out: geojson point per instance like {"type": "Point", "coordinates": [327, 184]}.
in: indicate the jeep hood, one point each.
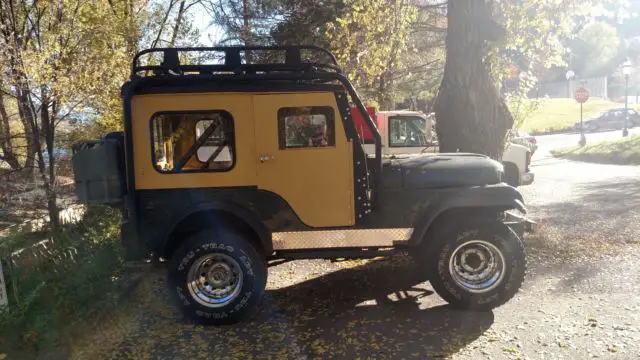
{"type": "Point", "coordinates": [439, 171]}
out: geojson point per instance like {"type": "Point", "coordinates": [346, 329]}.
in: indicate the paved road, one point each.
{"type": "Point", "coordinates": [580, 299]}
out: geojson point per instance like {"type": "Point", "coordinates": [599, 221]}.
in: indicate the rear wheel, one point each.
{"type": "Point", "coordinates": [478, 266]}
{"type": "Point", "coordinates": [217, 276]}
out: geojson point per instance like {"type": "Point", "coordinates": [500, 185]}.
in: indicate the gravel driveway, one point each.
{"type": "Point", "coordinates": [580, 299]}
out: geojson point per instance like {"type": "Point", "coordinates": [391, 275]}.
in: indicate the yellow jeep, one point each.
{"type": "Point", "coordinates": [224, 166]}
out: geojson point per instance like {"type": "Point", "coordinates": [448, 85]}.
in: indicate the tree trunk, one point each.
{"type": "Point", "coordinates": [11, 34]}
{"type": "Point", "coordinates": [162, 24]}
{"type": "Point", "coordinates": [176, 27]}
{"type": "Point", "coordinates": [27, 117]}
{"type": "Point", "coordinates": [48, 175]}
{"type": "Point", "coordinates": [470, 114]}
{"type": "Point", "coordinates": [381, 94]}
{"type": "Point", "coordinates": [132, 34]}
{"type": "Point", "coordinates": [6, 139]}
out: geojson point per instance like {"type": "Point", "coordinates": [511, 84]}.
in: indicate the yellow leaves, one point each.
{"type": "Point", "coordinates": [319, 347]}
{"type": "Point", "coordinates": [370, 36]}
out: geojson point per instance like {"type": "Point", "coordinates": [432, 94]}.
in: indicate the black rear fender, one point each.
{"type": "Point", "coordinates": [473, 201]}
{"type": "Point", "coordinates": [215, 215]}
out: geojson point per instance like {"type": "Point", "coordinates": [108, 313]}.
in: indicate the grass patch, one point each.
{"type": "Point", "coordinates": [561, 114]}
{"type": "Point", "coordinates": [53, 290]}
{"type": "Point", "coordinates": [624, 151]}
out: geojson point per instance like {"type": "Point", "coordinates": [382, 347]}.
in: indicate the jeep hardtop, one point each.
{"type": "Point", "coordinates": [227, 166]}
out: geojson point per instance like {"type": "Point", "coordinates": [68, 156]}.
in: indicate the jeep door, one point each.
{"type": "Point", "coordinates": [303, 156]}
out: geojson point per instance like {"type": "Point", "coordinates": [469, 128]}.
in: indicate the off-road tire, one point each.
{"type": "Point", "coordinates": [453, 235]}
{"type": "Point", "coordinates": [236, 246]}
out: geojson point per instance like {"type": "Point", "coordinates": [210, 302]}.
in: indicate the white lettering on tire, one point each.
{"type": "Point", "coordinates": [185, 260]}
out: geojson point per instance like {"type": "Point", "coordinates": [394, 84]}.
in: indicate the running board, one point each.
{"type": "Point", "coordinates": [333, 254]}
{"type": "Point", "coordinates": [342, 238]}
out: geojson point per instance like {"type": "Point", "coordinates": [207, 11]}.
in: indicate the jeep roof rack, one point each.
{"type": "Point", "coordinates": [233, 60]}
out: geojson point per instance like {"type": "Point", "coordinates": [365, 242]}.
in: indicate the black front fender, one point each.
{"type": "Point", "coordinates": [501, 197]}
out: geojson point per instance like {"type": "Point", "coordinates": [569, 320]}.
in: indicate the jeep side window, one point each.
{"type": "Point", "coordinates": [304, 127]}
{"type": "Point", "coordinates": [193, 141]}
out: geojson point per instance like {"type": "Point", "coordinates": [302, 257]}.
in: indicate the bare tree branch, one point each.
{"type": "Point", "coordinates": [154, 44]}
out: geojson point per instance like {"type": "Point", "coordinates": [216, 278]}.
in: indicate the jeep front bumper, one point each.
{"type": "Point", "coordinates": [520, 223]}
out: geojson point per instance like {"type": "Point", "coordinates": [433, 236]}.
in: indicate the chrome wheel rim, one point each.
{"type": "Point", "coordinates": [477, 266]}
{"type": "Point", "coordinates": [214, 280]}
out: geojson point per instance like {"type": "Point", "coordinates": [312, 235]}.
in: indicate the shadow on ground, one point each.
{"type": "Point", "coordinates": [604, 205]}
{"type": "Point", "coordinates": [382, 309]}
{"type": "Point", "coordinates": [598, 223]}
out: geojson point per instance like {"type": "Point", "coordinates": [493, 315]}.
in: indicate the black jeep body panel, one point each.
{"type": "Point", "coordinates": [161, 211]}
{"type": "Point", "coordinates": [439, 171]}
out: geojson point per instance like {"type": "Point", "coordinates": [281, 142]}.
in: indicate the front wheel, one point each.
{"type": "Point", "coordinates": [217, 277]}
{"type": "Point", "coordinates": [479, 266]}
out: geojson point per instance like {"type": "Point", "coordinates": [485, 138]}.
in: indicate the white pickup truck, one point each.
{"type": "Point", "coordinates": [410, 132]}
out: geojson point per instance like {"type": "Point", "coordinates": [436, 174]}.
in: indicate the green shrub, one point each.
{"type": "Point", "coordinates": [54, 286]}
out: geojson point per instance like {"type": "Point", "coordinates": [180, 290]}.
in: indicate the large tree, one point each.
{"type": "Point", "coordinates": [487, 42]}
{"type": "Point", "coordinates": [471, 116]}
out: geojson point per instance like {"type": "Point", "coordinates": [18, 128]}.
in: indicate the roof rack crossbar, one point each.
{"type": "Point", "coordinates": [208, 69]}
{"type": "Point", "coordinates": [232, 60]}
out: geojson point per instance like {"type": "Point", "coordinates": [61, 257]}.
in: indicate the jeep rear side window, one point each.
{"type": "Point", "coordinates": [193, 141]}
{"type": "Point", "coordinates": [306, 127]}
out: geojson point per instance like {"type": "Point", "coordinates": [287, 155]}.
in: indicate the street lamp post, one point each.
{"type": "Point", "coordinates": [626, 70]}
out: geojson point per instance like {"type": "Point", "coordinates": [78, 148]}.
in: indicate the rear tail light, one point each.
{"type": "Point", "coordinates": [528, 161]}
{"type": "Point", "coordinates": [533, 141]}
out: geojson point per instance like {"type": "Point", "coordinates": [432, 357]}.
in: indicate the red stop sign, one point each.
{"type": "Point", "coordinates": [582, 95]}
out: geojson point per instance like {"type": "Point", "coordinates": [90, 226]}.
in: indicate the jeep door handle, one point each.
{"type": "Point", "coordinates": [264, 158]}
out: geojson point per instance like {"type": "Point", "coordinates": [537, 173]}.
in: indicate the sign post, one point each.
{"type": "Point", "coordinates": [3, 289]}
{"type": "Point", "coordinates": [582, 95]}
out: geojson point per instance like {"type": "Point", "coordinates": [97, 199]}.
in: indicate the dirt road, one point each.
{"type": "Point", "coordinates": [580, 299]}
